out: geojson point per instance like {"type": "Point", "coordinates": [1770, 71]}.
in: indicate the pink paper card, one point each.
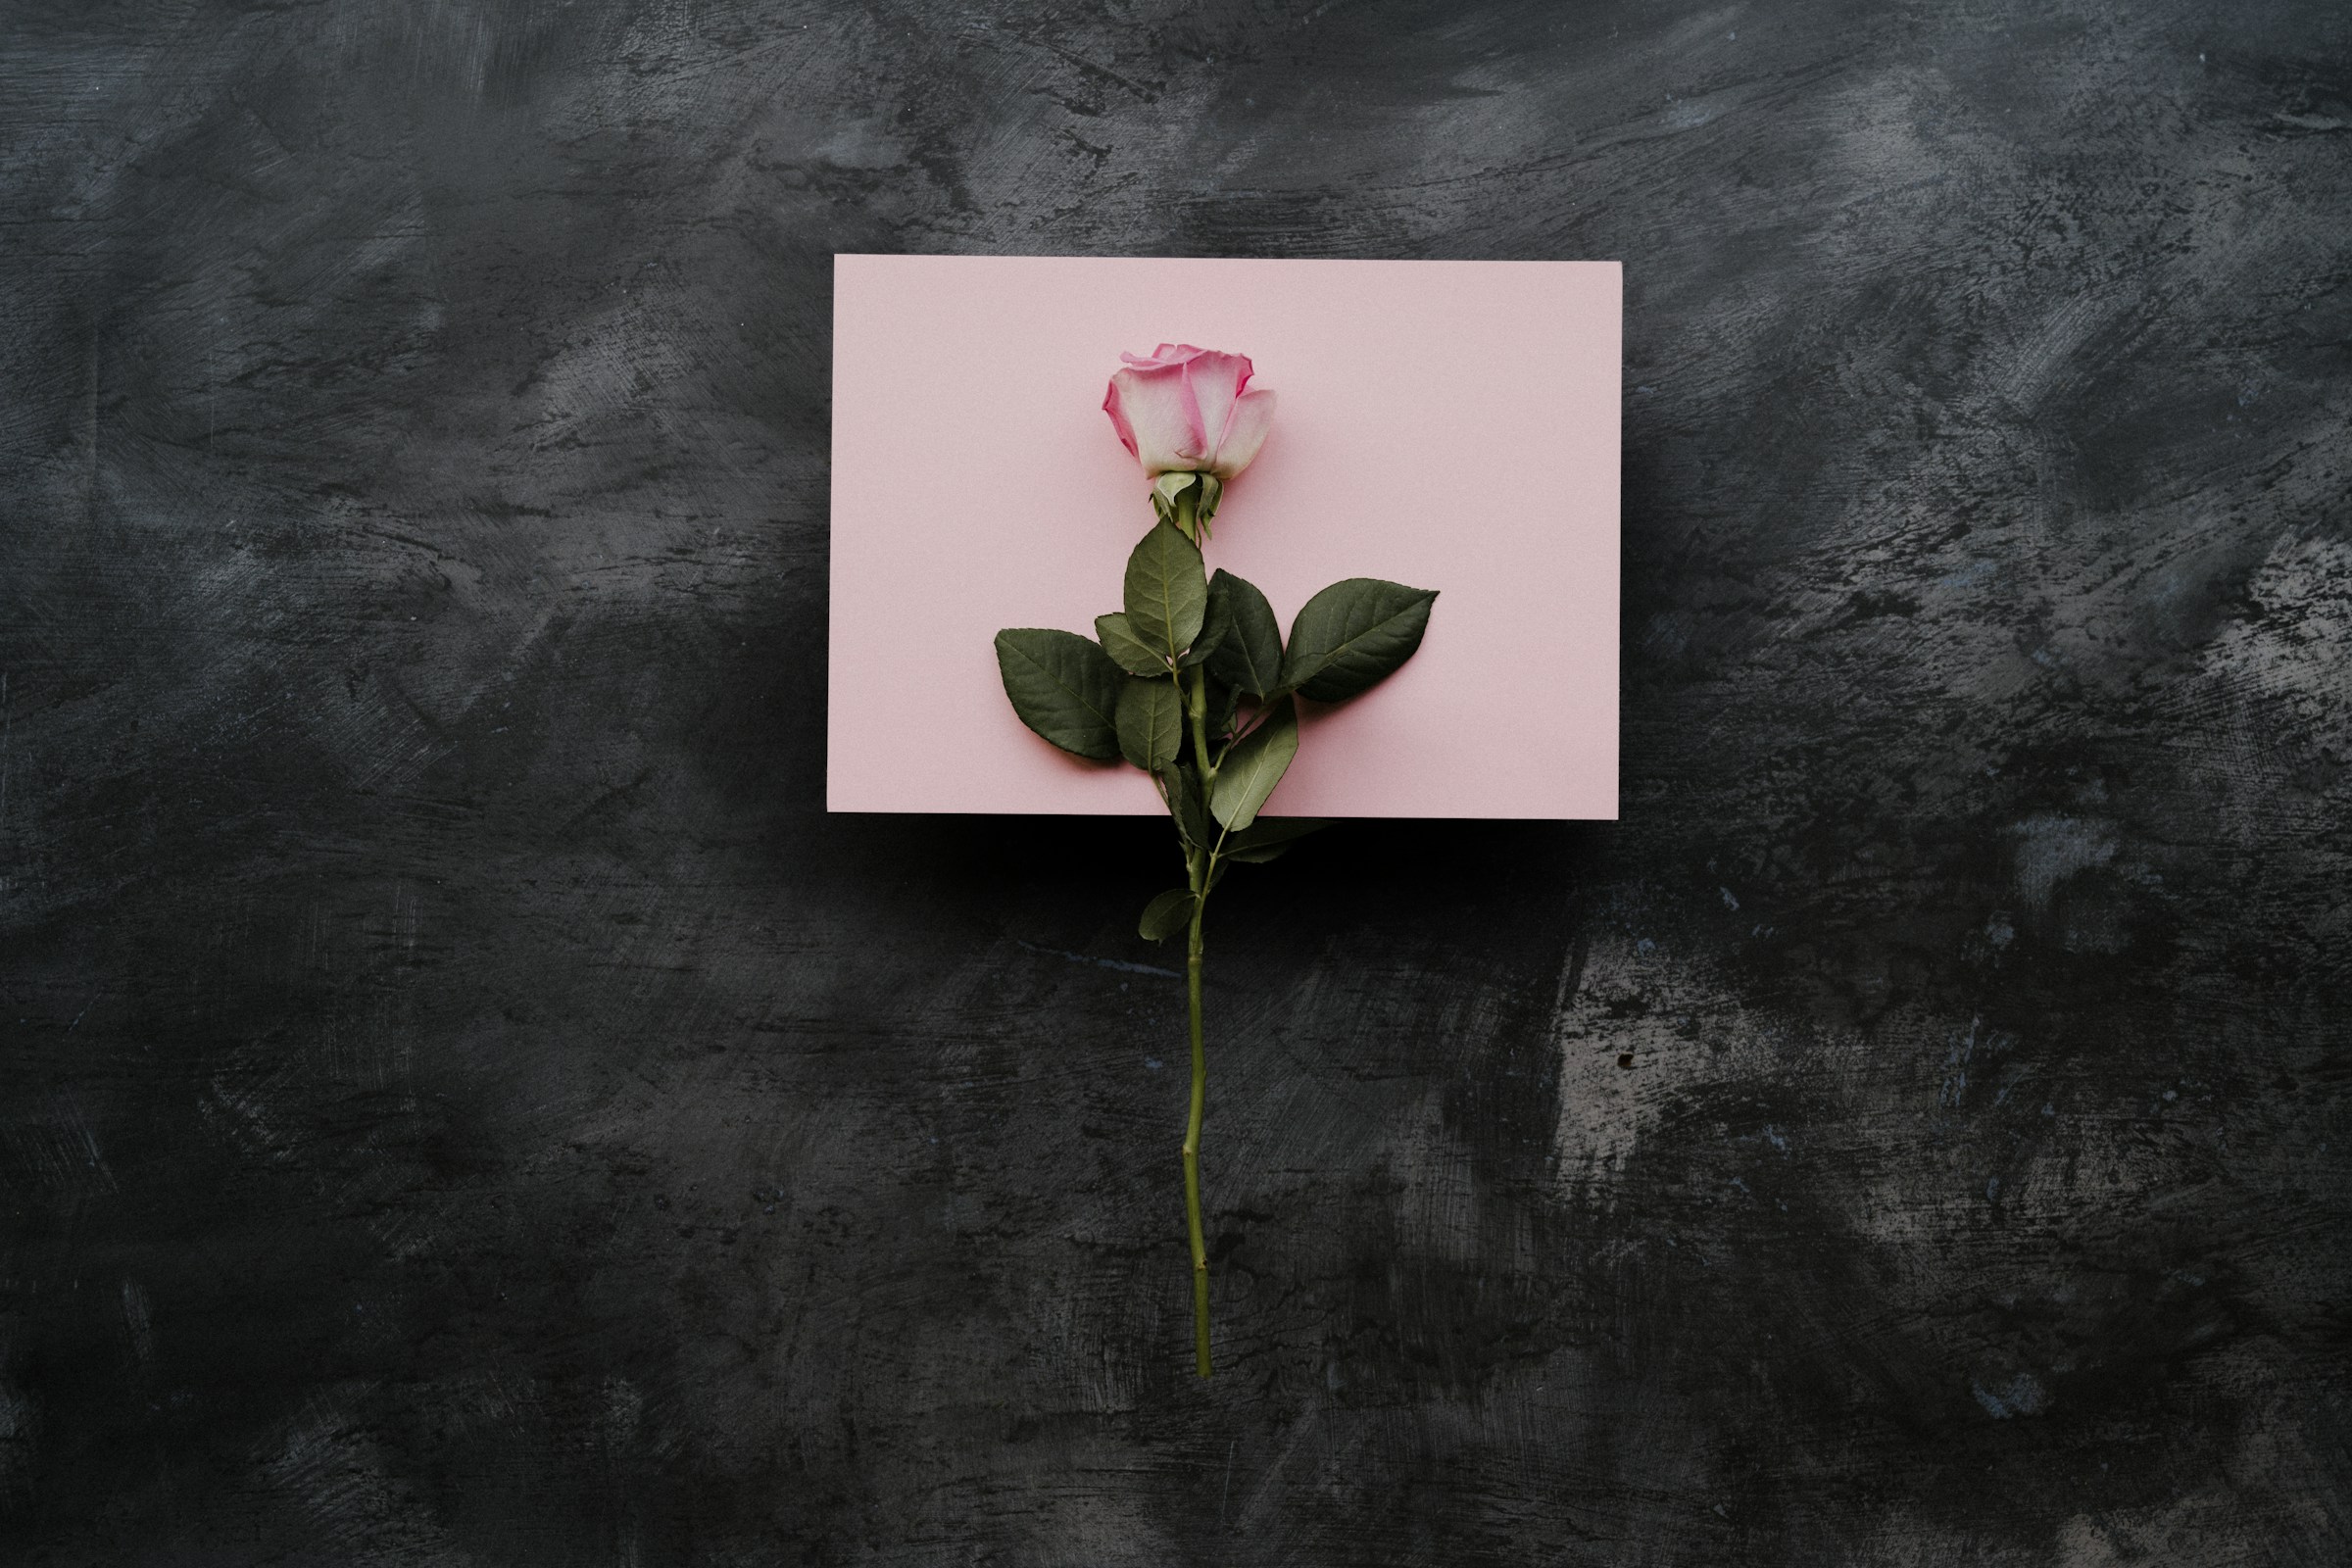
{"type": "Point", "coordinates": [1446, 424]}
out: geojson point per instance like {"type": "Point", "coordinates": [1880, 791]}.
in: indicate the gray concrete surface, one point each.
{"type": "Point", "coordinates": [467, 1104]}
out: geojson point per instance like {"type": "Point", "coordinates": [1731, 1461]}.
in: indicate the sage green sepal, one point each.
{"type": "Point", "coordinates": [1124, 650]}
{"type": "Point", "coordinates": [1166, 592]}
{"type": "Point", "coordinates": [1151, 721]}
{"type": "Point", "coordinates": [1269, 837]}
{"type": "Point", "coordinates": [1353, 635]}
{"type": "Point", "coordinates": [1167, 915]}
{"type": "Point", "coordinates": [1249, 657]}
{"type": "Point", "coordinates": [1063, 687]}
{"type": "Point", "coordinates": [1164, 491]}
{"type": "Point", "coordinates": [1252, 768]}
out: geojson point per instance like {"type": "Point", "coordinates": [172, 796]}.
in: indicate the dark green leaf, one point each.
{"type": "Point", "coordinates": [1249, 658]}
{"type": "Point", "coordinates": [1353, 634]}
{"type": "Point", "coordinates": [1063, 687]}
{"type": "Point", "coordinates": [1224, 703]}
{"type": "Point", "coordinates": [1277, 830]}
{"type": "Point", "coordinates": [1151, 721]}
{"type": "Point", "coordinates": [1182, 786]}
{"type": "Point", "coordinates": [1166, 915]}
{"type": "Point", "coordinates": [1166, 593]}
{"type": "Point", "coordinates": [1268, 837]}
{"type": "Point", "coordinates": [1215, 621]}
{"type": "Point", "coordinates": [1123, 648]}
{"type": "Point", "coordinates": [1252, 768]}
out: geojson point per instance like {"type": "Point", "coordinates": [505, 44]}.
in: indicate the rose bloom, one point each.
{"type": "Point", "coordinates": [1187, 409]}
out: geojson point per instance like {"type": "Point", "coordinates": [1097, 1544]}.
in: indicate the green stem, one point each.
{"type": "Point", "coordinates": [1201, 863]}
{"type": "Point", "coordinates": [1192, 1140]}
{"type": "Point", "coordinates": [1196, 704]}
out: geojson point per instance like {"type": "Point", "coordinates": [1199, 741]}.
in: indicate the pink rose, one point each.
{"type": "Point", "coordinates": [1189, 409]}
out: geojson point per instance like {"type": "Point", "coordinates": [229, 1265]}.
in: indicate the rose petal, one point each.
{"type": "Point", "coordinates": [1167, 354]}
{"type": "Point", "coordinates": [1162, 415]}
{"type": "Point", "coordinates": [1217, 380]}
{"type": "Point", "coordinates": [1244, 432]}
{"type": "Point", "coordinates": [1118, 420]}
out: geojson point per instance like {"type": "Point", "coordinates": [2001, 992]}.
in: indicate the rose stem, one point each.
{"type": "Point", "coordinates": [1201, 863]}
{"type": "Point", "coordinates": [1192, 1148]}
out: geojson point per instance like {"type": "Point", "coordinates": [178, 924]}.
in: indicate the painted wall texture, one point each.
{"type": "Point", "coordinates": [464, 1103]}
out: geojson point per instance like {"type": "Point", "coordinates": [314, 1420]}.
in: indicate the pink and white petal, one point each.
{"type": "Point", "coordinates": [1159, 410]}
{"type": "Point", "coordinates": [1244, 432]}
{"type": "Point", "coordinates": [1167, 354]}
{"type": "Point", "coordinates": [1118, 420]}
{"type": "Point", "coordinates": [1217, 381]}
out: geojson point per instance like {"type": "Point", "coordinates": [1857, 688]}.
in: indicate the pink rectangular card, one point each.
{"type": "Point", "coordinates": [1446, 424]}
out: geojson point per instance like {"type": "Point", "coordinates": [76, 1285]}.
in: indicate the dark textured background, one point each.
{"type": "Point", "coordinates": [467, 1104]}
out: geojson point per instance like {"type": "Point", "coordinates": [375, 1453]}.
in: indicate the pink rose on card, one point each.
{"type": "Point", "coordinates": [1189, 411]}
{"type": "Point", "coordinates": [1190, 678]}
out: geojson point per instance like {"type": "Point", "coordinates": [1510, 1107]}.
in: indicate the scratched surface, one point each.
{"type": "Point", "coordinates": [465, 1103]}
